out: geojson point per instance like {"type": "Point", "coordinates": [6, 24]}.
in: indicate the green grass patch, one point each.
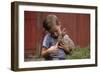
{"type": "Point", "coordinates": [79, 53]}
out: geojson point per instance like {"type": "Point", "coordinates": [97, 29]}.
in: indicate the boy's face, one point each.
{"type": "Point", "coordinates": [55, 31]}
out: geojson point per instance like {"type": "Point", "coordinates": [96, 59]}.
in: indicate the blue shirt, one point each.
{"type": "Point", "coordinates": [50, 41]}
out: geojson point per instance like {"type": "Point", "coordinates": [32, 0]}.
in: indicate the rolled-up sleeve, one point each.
{"type": "Point", "coordinates": [46, 41]}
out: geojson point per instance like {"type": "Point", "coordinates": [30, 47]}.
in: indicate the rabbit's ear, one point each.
{"type": "Point", "coordinates": [57, 43]}
{"type": "Point", "coordinates": [63, 29]}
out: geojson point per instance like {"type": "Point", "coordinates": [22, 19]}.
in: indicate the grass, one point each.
{"type": "Point", "coordinates": [79, 53]}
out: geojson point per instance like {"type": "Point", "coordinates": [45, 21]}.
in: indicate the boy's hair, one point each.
{"type": "Point", "coordinates": [50, 21]}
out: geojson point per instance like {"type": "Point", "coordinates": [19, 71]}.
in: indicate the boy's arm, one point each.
{"type": "Point", "coordinates": [47, 51]}
{"type": "Point", "coordinates": [44, 52]}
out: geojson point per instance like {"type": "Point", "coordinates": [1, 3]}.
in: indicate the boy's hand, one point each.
{"type": "Point", "coordinates": [62, 45]}
{"type": "Point", "coordinates": [53, 49]}
{"type": "Point", "coordinates": [65, 47]}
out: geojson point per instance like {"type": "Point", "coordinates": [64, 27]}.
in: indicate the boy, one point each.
{"type": "Point", "coordinates": [56, 44]}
